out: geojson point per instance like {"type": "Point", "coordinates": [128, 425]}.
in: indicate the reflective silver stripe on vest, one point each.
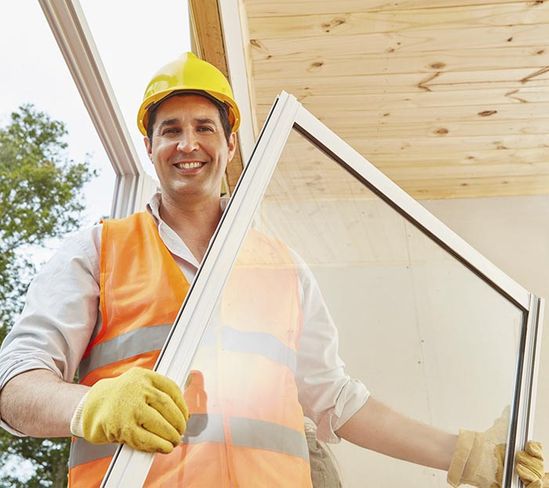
{"type": "Point", "coordinates": [148, 339]}
{"type": "Point", "coordinates": [204, 428]}
{"type": "Point", "coordinates": [259, 434]}
{"type": "Point", "coordinates": [259, 343]}
{"type": "Point", "coordinates": [138, 341]}
{"type": "Point", "coordinates": [245, 432]}
{"type": "Point", "coordinates": [83, 452]}
{"type": "Point", "coordinates": [255, 434]}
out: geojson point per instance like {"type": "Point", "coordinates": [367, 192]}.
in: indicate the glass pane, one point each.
{"type": "Point", "coordinates": [327, 258]}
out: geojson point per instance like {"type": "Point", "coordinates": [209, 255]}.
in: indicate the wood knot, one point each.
{"type": "Point", "coordinates": [442, 131]}
{"type": "Point", "coordinates": [438, 65]}
{"type": "Point", "coordinates": [328, 26]}
{"type": "Point", "coordinates": [487, 113]}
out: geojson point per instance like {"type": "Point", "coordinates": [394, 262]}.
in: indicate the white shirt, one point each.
{"type": "Point", "coordinates": [62, 311]}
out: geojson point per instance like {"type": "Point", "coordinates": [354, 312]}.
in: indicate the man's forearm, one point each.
{"type": "Point", "coordinates": [39, 404]}
{"type": "Point", "coordinates": [379, 428]}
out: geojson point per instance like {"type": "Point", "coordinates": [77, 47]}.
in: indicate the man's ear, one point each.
{"type": "Point", "coordinates": [232, 145]}
{"type": "Point", "coordinates": [148, 146]}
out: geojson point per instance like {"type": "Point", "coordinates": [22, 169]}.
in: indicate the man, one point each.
{"type": "Point", "coordinates": [105, 302]}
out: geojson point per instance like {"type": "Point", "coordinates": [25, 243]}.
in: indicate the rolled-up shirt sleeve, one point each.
{"type": "Point", "coordinates": [328, 395]}
{"type": "Point", "coordinates": [60, 313]}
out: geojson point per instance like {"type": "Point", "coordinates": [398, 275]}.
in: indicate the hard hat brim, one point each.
{"type": "Point", "coordinates": [158, 98]}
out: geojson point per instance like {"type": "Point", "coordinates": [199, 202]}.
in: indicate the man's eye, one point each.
{"type": "Point", "coordinates": [170, 130]}
{"type": "Point", "coordinates": [205, 128]}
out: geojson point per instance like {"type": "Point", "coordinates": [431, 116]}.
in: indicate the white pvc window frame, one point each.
{"type": "Point", "coordinates": [133, 186]}
{"type": "Point", "coordinates": [129, 468]}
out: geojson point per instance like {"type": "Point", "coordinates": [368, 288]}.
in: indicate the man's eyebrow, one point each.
{"type": "Point", "coordinates": [166, 122]}
{"type": "Point", "coordinates": [205, 120]}
{"type": "Point", "coordinates": [175, 121]}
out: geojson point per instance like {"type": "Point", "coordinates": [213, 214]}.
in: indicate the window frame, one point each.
{"type": "Point", "coordinates": [133, 186]}
{"type": "Point", "coordinates": [129, 467]}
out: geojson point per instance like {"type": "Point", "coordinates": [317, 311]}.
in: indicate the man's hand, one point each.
{"type": "Point", "coordinates": [478, 457]}
{"type": "Point", "coordinates": [140, 408]}
{"type": "Point", "coordinates": [529, 464]}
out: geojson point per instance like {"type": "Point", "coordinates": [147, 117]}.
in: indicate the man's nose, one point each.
{"type": "Point", "coordinates": [187, 141]}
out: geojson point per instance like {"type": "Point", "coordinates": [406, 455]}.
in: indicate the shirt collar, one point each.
{"type": "Point", "coordinates": [173, 242]}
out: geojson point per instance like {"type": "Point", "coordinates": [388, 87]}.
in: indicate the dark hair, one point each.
{"type": "Point", "coordinates": [221, 107]}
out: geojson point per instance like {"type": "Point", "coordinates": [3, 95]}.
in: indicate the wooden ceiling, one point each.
{"type": "Point", "coordinates": [449, 98]}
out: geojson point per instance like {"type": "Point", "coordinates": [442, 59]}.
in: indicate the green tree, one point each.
{"type": "Point", "coordinates": [40, 199]}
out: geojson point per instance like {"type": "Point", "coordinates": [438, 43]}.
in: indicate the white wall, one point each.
{"type": "Point", "coordinates": [513, 233]}
{"type": "Point", "coordinates": [425, 335]}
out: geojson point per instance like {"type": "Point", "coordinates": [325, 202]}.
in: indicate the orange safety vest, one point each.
{"type": "Point", "coordinates": [246, 425]}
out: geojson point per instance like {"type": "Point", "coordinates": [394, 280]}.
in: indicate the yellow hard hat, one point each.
{"type": "Point", "coordinates": [188, 73]}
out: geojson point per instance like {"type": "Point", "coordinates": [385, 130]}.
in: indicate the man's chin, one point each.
{"type": "Point", "coordinates": [181, 193]}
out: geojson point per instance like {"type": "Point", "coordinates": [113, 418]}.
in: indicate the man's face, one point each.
{"type": "Point", "coordinates": [188, 148]}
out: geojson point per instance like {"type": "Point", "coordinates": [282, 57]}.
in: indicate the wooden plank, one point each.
{"type": "Point", "coordinates": [208, 32]}
{"type": "Point", "coordinates": [402, 83]}
{"type": "Point", "coordinates": [301, 156]}
{"type": "Point", "coordinates": [340, 186]}
{"type": "Point", "coordinates": [307, 66]}
{"type": "Point", "coordinates": [494, 129]}
{"type": "Point", "coordinates": [478, 187]}
{"type": "Point", "coordinates": [208, 39]}
{"type": "Point", "coordinates": [420, 145]}
{"type": "Point", "coordinates": [344, 22]}
{"type": "Point", "coordinates": [428, 189]}
{"type": "Point", "coordinates": [465, 128]}
{"type": "Point", "coordinates": [386, 102]}
{"type": "Point", "coordinates": [416, 40]}
{"type": "Point", "coordinates": [422, 149]}
{"type": "Point", "coordinates": [441, 128]}
{"type": "Point", "coordinates": [496, 93]}
{"type": "Point", "coordinates": [435, 165]}
{"type": "Point", "coordinates": [355, 128]}
{"type": "Point", "coordinates": [489, 166]}
{"type": "Point", "coordinates": [331, 114]}
{"type": "Point", "coordinates": [262, 8]}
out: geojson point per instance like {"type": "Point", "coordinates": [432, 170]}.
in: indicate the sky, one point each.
{"type": "Point", "coordinates": [134, 39]}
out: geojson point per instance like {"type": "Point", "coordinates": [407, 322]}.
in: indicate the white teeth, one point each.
{"type": "Point", "coordinates": [188, 165]}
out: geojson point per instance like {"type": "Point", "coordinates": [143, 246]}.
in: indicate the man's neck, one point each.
{"type": "Point", "coordinates": [194, 222]}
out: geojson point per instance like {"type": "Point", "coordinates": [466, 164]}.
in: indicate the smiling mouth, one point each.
{"type": "Point", "coordinates": [189, 165]}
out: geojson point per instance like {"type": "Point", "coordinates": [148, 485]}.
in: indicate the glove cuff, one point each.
{"type": "Point", "coordinates": [460, 457]}
{"type": "Point", "coordinates": [77, 428]}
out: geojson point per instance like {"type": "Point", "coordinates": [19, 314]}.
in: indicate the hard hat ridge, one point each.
{"type": "Point", "coordinates": [187, 73]}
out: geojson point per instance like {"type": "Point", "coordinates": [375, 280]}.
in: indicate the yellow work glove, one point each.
{"type": "Point", "coordinates": [478, 457]}
{"type": "Point", "coordinates": [140, 408]}
{"type": "Point", "coordinates": [529, 464]}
